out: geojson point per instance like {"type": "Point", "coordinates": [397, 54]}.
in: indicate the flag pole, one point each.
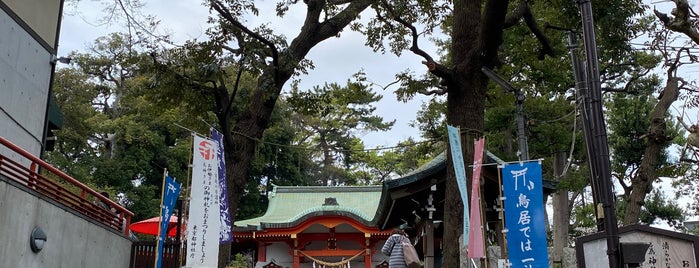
{"type": "Point", "coordinates": [187, 188]}
{"type": "Point", "coordinates": [503, 249]}
{"type": "Point", "coordinates": [160, 221]}
{"type": "Point", "coordinates": [484, 224]}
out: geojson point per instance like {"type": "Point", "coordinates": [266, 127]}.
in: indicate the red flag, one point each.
{"type": "Point", "coordinates": [475, 235]}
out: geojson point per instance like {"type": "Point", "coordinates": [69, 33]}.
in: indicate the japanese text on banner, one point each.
{"type": "Point", "coordinates": [460, 173]}
{"type": "Point", "coordinates": [225, 234]}
{"type": "Point", "coordinates": [204, 222]}
{"type": "Point", "coordinates": [524, 215]}
{"type": "Point", "coordinates": [170, 195]}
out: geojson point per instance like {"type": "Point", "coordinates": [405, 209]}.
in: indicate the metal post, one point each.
{"type": "Point", "coordinates": [178, 234]}
{"type": "Point", "coordinates": [523, 146]}
{"type": "Point", "coordinates": [599, 136]}
{"type": "Point", "coordinates": [583, 100]}
{"type": "Point", "coordinates": [519, 99]}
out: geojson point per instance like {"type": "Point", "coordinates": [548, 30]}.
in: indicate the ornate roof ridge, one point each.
{"type": "Point", "coordinates": [326, 189]}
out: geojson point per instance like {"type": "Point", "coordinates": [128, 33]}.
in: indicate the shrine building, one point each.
{"type": "Point", "coordinates": [346, 226]}
{"type": "Point", "coordinates": [317, 226]}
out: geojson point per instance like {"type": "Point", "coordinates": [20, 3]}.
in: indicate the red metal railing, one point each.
{"type": "Point", "coordinates": [63, 189]}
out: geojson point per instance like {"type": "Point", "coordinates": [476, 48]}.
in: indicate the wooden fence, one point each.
{"type": "Point", "coordinates": [143, 254]}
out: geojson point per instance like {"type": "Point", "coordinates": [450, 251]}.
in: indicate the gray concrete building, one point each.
{"type": "Point", "coordinates": [48, 219]}
{"type": "Point", "coordinates": [28, 44]}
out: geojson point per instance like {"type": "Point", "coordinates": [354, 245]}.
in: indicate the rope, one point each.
{"type": "Point", "coordinates": [333, 264]}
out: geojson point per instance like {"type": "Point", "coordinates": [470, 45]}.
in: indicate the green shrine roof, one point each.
{"type": "Point", "coordinates": [291, 205]}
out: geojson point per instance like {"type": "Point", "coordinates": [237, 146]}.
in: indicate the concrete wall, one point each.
{"type": "Point", "coordinates": [25, 74]}
{"type": "Point", "coordinates": [40, 15]}
{"type": "Point", "coordinates": [72, 240]}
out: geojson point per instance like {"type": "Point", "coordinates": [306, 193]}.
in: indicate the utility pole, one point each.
{"type": "Point", "coordinates": [523, 146]}
{"type": "Point", "coordinates": [581, 99]}
{"type": "Point", "coordinates": [598, 136]}
{"type": "Point", "coordinates": [519, 100]}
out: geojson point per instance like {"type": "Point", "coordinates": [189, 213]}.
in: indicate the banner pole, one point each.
{"type": "Point", "coordinates": [503, 249]}
{"type": "Point", "coordinates": [187, 188]}
{"type": "Point", "coordinates": [484, 224]}
{"type": "Point", "coordinates": [158, 242]}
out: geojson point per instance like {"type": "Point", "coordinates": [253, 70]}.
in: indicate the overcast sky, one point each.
{"type": "Point", "coordinates": [335, 59]}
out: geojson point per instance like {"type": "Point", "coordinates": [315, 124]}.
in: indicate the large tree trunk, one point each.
{"type": "Point", "coordinates": [474, 45]}
{"type": "Point", "coordinates": [239, 139]}
{"type": "Point", "coordinates": [657, 138]}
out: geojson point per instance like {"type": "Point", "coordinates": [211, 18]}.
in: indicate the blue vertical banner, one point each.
{"type": "Point", "coordinates": [460, 172]}
{"type": "Point", "coordinates": [171, 192]}
{"type": "Point", "coordinates": [225, 235]}
{"type": "Point", "coordinates": [524, 215]}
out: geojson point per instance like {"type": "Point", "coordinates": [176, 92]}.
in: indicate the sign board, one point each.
{"type": "Point", "coordinates": [204, 220]}
{"type": "Point", "coordinates": [667, 248]}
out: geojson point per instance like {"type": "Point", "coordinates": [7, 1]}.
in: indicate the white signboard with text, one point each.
{"type": "Point", "coordinates": [664, 251]}
{"type": "Point", "coordinates": [204, 224]}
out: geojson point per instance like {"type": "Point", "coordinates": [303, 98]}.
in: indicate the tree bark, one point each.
{"type": "Point", "coordinates": [475, 40]}
{"type": "Point", "coordinates": [657, 138]}
{"type": "Point", "coordinates": [240, 138]}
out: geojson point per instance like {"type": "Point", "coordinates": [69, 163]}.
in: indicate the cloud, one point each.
{"type": "Point", "coordinates": [336, 59]}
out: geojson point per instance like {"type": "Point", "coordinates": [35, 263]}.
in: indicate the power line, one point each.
{"type": "Point", "coordinates": [300, 147]}
{"type": "Point", "coordinates": [650, 46]}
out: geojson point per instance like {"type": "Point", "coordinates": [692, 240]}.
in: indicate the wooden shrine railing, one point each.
{"type": "Point", "coordinates": [143, 254]}
{"type": "Point", "coordinates": [62, 188]}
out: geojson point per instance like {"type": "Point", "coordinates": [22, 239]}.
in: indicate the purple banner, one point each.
{"type": "Point", "coordinates": [524, 215]}
{"type": "Point", "coordinates": [225, 234]}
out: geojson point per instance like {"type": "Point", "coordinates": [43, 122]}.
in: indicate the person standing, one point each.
{"type": "Point", "coordinates": [394, 250]}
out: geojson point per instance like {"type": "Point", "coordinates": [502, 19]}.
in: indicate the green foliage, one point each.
{"type": "Point", "coordinates": [330, 120]}
{"type": "Point", "coordinates": [241, 261]}
{"type": "Point", "coordinates": [128, 136]}
{"type": "Point", "coordinates": [112, 137]}
{"type": "Point", "coordinates": [428, 14]}
{"type": "Point", "coordinates": [431, 121]}
{"type": "Point", "coordinates": [583, 220]}
{"type": "Point", "coordinates": [660, 207]}
{"type": "Point", "coordinates": [629, 119]}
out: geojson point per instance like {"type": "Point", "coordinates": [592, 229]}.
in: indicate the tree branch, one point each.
{"type": "Point", "coordinates": [338, 2]}
{"type": "Point", "coordinates": [524, 11]}
{"type": "Point", "coordinates": [191, 82]}
{"type": "Point", "coordinates": [435, 68]}
{"type": "Point", "coordinates": [681, 22]}
{"type": "Point", "coordinates": [238, 74]}
{"type": "Point", "coordinates": [313, 32]}
{"type": "Point", "coordinates": [546, 48]}
{"type": "Point", "coordinates": [218, 6]}
{"type": "Point", "coordinates": [513, 18]}
{"type": "Point", "coordinates": [232, 50]}
{"type": "Point", "coordinates": [491, 32]}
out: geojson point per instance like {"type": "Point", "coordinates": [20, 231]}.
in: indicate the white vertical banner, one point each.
{"type": "Point", "coordinates": [203, 220]}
